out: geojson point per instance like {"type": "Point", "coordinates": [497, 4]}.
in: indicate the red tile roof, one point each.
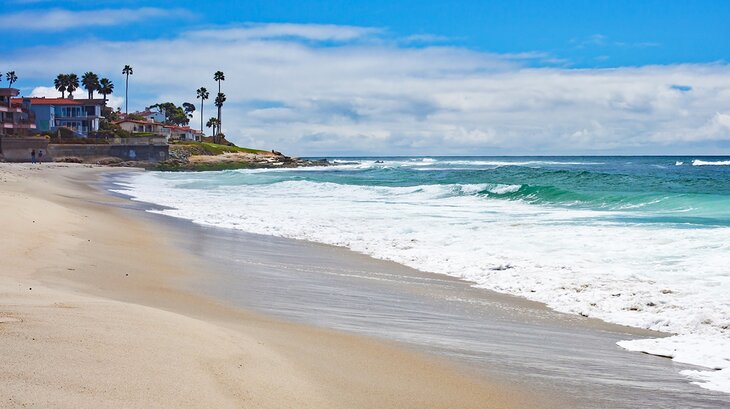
{"type": "Point", "coordinates": [137, 121]}
{"type": "Point", "coordinates": [48, 101]}
{"type": "Point", "coordinates": [58, 101]}
{"type": "Point", "coordinates": [179, 128]}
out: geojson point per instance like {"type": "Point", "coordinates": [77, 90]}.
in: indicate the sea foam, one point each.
{"type": "Point", "coordinates": [698, 162]}
{"type": "Point", "coordinates": [576, 261]}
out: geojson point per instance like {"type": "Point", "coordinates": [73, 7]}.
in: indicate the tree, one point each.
{"type": "Point", "coordinates": [90, 82]}
{"type": "Point", "coordinates": [212, 123]}
{"type": "Point", "coordinates": [106, 87]}
{"type": "Point", "coordinates": [219, 76]}
{"type": "Point", "coordinates": [11, 77]}
{"type": "Point", "coordinates": [174, 115]}
{"type": "Point", "coordinates": [127, 70]}
{"type": "Point", "coordinates": [72, 84]}
{"type": "Point", "coordinates": [188, 108]}
{"type": "Point", "coordinates": [219, 100]}
{"type": "Point", "coordinates": [203, 94]}
{"type": "Point", "coordinates": [60, 84]}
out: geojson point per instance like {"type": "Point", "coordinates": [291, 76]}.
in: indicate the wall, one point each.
{"type": "Point", "coordinates": [140, 140]}
{"type": "Point", "coordinates": [152, 153]}
{"type": "Point", "coordinates": [18, 149]}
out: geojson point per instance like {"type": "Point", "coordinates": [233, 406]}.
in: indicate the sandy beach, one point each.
{"type": "Point", "coordinates": [92, 315]}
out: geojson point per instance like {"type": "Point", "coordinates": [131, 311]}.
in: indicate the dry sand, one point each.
{"type": "Point", "coordinates": [91, 317]}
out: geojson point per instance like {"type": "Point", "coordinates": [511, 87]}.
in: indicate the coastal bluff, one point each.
{"type": "Point", "coordinates": [208, 156]}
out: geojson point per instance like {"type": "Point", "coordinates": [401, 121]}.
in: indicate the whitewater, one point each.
{"type": "Point", "coordinates": [641, 241]}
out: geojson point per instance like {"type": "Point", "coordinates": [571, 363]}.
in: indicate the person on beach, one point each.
{"type": "Point", "coordinates": [40, 156]}
{"type": "Point", "coordinates": [32, 156]}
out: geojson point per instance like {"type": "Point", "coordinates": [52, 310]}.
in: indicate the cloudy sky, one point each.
{"type": "Point", "coordinates": [372, 77]}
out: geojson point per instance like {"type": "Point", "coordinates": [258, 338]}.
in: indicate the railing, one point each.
{"type": "Point", "coordinates": [21, 122]}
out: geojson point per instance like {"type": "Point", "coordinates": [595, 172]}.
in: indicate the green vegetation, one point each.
{"type": "Point", "coordinates": [127, 70]}
{"type": "Point", "coordinates": [208, 148]}
{"type": "Point", "coordinates": [203, 94]}
{"type": "Point", "coordinates": [220, 98]}
{"type": "Point", "coordinates": [212, 122]}
{"type": "Point", "coordinates": [11, 77]}
{"type": "Point", "coordinates": [106, 87]}
{"type": "Point", "coordinates": [66, 83]}
{"type": "Point", "coordinates": [175, 115]}
{"type": "Point", "coordinates": [90, 81]}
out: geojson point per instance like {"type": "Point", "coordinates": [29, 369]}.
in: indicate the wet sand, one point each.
{"type": "Point", "coordinates": [103, 305]}
{"type": "Point", "coordinates": [522, 342]}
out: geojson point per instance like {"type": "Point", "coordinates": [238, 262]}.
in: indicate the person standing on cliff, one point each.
{"type": "Point", "coordinates": [32, 156]}
{"type": "Point", "coordinates": [40, 156]}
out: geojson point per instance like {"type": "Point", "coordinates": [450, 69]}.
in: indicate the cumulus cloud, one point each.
{"type": "Point", "coordinates": [113, 101]}
{"type": "Point", "coordinates": [323, 90]}
{"type": "Point", "coordinates": [61, 19]}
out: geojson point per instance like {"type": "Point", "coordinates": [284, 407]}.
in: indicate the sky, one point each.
{"type": "Point", "coordinates": [352, 78]}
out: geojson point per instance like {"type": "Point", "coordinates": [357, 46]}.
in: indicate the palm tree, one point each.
{"type": "Point", "coordinates": [212, 122]}
{"type": "Point", "coordinates": [219, 100]}
{"type": "Point", "coordinates": [72, 84]}
{"type": "Point", "coordinates": [203, 94]}
{"type": "Point", "coordinates": [60, 84]}
{"type": "Point", "coordinates": [11, 77]}
{"type": "Point", "coordinates": [127, 70]}
{"type": "Point", "coordinates": [219, 76]}
{"type": "Point", "coordinates": [90, 82]}
{"type": "Point", "coordinates": [106, 87]}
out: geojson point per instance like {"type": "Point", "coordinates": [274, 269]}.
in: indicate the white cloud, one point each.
{"type": "Point", "coordinates": [61, 19]}
{"type": "Point", "coordinates": [364, 94]}
{"type": "Point", "coordinates": [50, 92]}
{"type": "Point", "coordinates": [45, 92]}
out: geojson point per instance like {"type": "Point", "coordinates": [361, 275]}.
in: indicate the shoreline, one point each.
{"type": "Point", "coordinates": [103, 323]}
{"type": "Point", "coordinates": [602, 337]}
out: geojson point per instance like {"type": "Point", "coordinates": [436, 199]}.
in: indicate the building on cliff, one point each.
{"type": "Point", "coordinates": [80, 115]}
{"type": "Point", "coordinates": [15, 119]}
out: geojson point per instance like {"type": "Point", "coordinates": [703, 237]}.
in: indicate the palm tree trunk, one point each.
{"type": "Point", "coordinates": [126, 95]}
{"type": "Point", "coordinates": [201, 118]}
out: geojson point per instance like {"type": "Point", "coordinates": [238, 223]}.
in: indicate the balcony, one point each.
{"type": "Point", "coordinates": [82, 116]}
{"type": "Point", "coordinates": [5, 108]}
{"type": "Point", "coordinates": [17, 124]}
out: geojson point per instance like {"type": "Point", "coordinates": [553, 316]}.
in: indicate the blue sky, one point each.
{"type": "Point", "coordinates": [358, 77]}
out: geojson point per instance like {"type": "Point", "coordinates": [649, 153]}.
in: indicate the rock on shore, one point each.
{"type": "Point", "coordinates": [187, 157]}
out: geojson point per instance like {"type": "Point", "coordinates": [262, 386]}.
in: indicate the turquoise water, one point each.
{"type": "Point", "coordinates": [639, 241]}
{"type": "Point", "coordinates": [645, 189]}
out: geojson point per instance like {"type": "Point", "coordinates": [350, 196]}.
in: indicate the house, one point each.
{"type": "Point", "coordinates": [157, 116]}
{"type": "Point", "coordinates": [141, 126]}
{"type": "Point", "coordinates": [15, 120]}
{"type": "Point", "coordinates": [171, 132]}
{"type": "Point", "coordinates": [182, 133]}
{"type": "Point", "coordinates": [80, 115]}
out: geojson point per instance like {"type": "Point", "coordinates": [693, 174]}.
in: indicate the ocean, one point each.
{"type": "Point", "coordinates": [639, 241]}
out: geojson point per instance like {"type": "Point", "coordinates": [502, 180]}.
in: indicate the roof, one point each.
{"type": "Point", "coordinates": [59, 101]}
{"type": "Point", "coordinates": [137, 121]}
{"type": "Point", "coordinates": [179, 128]}
{"type": "Point", "coordinates": [48, 101]}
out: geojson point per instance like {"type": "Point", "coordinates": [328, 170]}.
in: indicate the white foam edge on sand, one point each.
{"type": "Point", "coordinates": [692, 349]}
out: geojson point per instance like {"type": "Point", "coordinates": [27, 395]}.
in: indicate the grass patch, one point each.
{"type": "Point", "coordinates": [208, 148]}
